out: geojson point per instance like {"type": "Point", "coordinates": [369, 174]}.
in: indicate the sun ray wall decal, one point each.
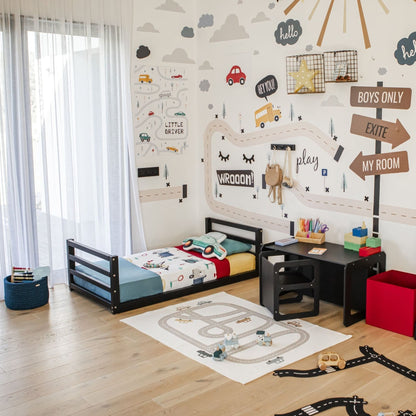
{"type": "Point", "coordinates": [363, 23]}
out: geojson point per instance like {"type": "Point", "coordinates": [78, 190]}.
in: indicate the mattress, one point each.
{"type": "Point", "coordinates": [241, 263]}
{"type": "Point", "coordinates": [135, 282]}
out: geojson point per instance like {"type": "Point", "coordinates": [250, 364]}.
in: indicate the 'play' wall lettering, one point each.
{"type": "Point", "coordinates": [307, 160]}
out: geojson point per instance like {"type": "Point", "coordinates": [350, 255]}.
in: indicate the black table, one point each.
{"type": "Point", "coordinates": [343, 273]}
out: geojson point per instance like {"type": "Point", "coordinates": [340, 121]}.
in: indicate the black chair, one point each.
{"type": "Point", "coordinates": [286, 278]}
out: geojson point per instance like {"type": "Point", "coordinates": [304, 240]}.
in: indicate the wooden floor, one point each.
{"type": "Point", "coordinates": [72, 357]}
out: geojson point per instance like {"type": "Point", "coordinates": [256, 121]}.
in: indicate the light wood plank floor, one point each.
{"type": "Point", "coordinates": [73, 357]}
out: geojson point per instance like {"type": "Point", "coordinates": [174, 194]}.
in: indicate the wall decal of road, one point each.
{"type": "Point", "coordinates": [161, 194]}
{"type": "Point", "coordinates": [325, 202]}
{"type": "Point", "coordinates": [255, 138]}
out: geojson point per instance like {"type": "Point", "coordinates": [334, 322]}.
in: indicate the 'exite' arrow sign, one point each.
{"type": "Point", "coordinates": [380, 164]}
{"type": "Point", "coordinates": [393, 133]}
{"type": "Point", "coordinates": [381, 97]}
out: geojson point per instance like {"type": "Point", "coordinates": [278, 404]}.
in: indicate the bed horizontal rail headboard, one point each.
{"type": "Point", "coordinates": [253, 235]}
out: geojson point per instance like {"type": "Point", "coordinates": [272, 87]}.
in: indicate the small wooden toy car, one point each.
{"type": "Point", "coordinates": [330, 359]}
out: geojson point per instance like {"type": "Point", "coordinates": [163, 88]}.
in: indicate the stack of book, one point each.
{"type": "Point", "coordinates": [19, 274]}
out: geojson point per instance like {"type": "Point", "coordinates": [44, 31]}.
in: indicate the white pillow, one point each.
{"type": "Point", "coordinates": [220, 237]}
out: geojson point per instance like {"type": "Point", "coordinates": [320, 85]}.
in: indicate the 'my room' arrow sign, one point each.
{"type": "Point", "coordinates": [385, 131]}
{"type": "Point", "coordinates": [380, 164]}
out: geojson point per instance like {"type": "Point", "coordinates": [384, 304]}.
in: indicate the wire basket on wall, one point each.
{"type": "Point", "coordinates": [341, 66]}
{"type": "Point", "coordinates": [314, 62]}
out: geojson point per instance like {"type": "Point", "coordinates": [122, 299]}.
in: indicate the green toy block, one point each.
{"type": "Point", "coordinates": [352, 246]}
{"type": "Point", "coordinates": [373, 242]}
{"type": "Point", "coordinates": [355, 240]}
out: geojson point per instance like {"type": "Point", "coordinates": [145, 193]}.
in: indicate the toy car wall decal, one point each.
{"type": "Point", "coordinates": [145, 78]}
{"type": "Point", "coordinates": [266, 114]}
{"type": "Point", "coordinates": [235, 76]}
{"type": "Point", "coordinates": [144, 137]}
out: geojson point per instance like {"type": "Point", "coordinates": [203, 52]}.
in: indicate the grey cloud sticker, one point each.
{"type": "Point", "coordinates": [187, 32]}
{"type": "Point", "coordinates": [332, 101]}
{"type": "Point", "coordinates": [142, 52]}
{"type": "Point", "coordinates": [230, 30]}
{"type": "Point", "coordinates": [171, 6]}
{"type": "Point", "coordinates": [204, 85]}
{"type": "Point", "coordinates": [206, 65]}
{"type": "Point", "coordinates": [288, 33]}
{"type": "Point", "coordinates": [406, 50]}
{"type": "Point", "coordinates": [147, 27]}
{"type": "Point", "coordinates": [261, 17]}
{"type": "Point", "coordinates": [179, 55]}
{"type": "Point", "coordinates": [206, 20]}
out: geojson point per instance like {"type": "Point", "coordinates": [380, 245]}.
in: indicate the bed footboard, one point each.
{"type": "Point", "coordinates": [76, 255]}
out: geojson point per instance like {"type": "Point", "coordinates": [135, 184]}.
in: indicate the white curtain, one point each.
{"type": "Point", "coordinates": [66, 137]}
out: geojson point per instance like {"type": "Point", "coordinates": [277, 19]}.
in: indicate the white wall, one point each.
{"type": "Point", "coordinates": [258, 54]}
{"type": "Point", "coordinates": [158, 26]}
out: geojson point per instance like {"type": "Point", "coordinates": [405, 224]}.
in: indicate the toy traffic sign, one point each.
{"type": "Point", "coordinates": [377, 129]}
{"type": "Point", "coordinates": [379, 164]}
{"type": "Point", "coordinates": [381, 97]}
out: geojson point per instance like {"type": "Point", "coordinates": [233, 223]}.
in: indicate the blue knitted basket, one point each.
{"type": "Point", "coordinates": [27, 294]}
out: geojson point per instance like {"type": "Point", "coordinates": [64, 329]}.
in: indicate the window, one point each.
{"type": "Point", "coordinates": [65, 137]}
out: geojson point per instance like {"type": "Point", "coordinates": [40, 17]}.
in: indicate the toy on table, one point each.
{"type": "Point", "coordinates": [372, 246]}
{"type": "Point", "coordinates": [356, 239]}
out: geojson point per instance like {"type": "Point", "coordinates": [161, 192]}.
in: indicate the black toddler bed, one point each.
{"type": "Point", "coordinates": [128, 283]}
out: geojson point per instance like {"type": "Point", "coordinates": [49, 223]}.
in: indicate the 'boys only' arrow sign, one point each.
{"type": "Point", "coordinates": [381, 97]}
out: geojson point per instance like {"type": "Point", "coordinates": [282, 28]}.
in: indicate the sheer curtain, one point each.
{"type": "Point", "coordinates": [66, 134]}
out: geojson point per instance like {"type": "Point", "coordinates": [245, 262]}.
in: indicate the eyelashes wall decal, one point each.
{"type": "Point", "coordinates": [247, 159]}
{"type": "Point", "coordinates": [222, 157]}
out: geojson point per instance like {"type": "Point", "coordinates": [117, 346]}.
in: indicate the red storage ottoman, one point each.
{"type": "Point", "coordinates": [391, 301]}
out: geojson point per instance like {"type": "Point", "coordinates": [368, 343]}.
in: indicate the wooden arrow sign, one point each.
{"type": "Point", "coordinates": [381, 97]}
{"type": "Point", "coordinates": [385, 131]}
{"type": "Point", "coordinates": [380, 164]}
